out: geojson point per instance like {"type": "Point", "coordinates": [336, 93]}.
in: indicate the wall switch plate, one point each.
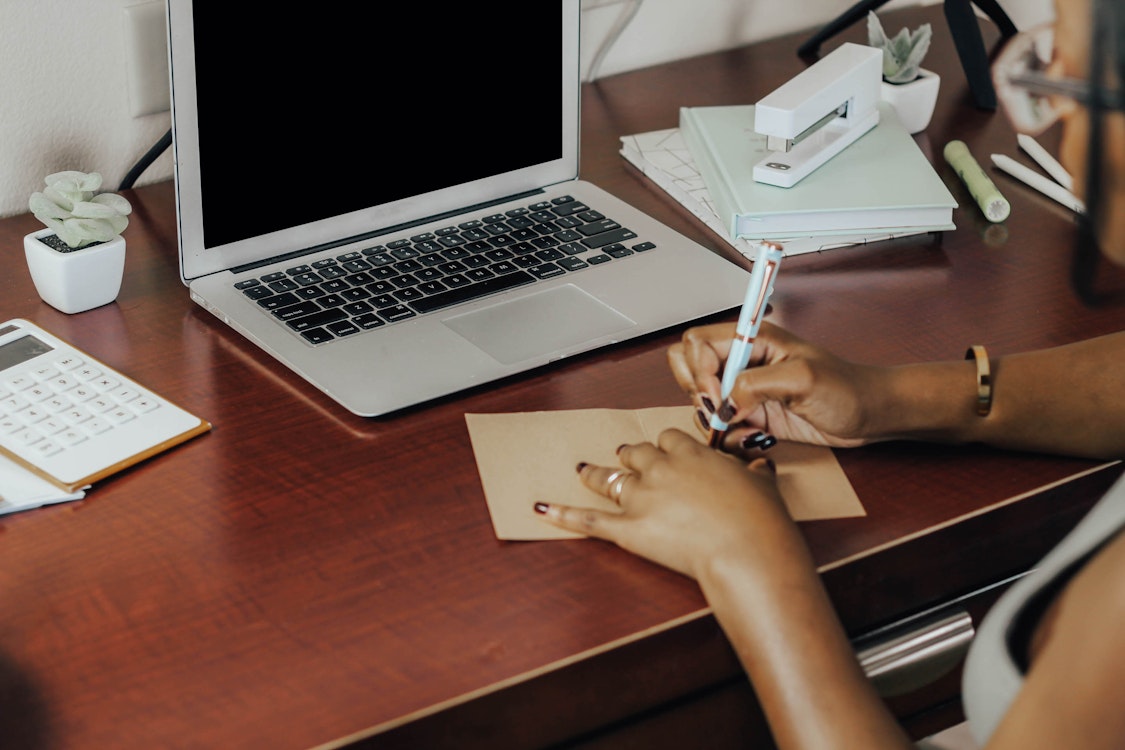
{"type": "Point", "coordinates": [146, 47]}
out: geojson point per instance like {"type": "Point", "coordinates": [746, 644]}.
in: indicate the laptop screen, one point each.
{"type": "Point", "coordinates": [298, 129]}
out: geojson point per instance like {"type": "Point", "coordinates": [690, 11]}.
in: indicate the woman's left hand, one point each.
{"type": "Point", "coordinates": [683, 505]}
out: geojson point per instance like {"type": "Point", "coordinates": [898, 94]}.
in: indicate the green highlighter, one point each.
{"type": "Point", "coordinates": [994, 205]}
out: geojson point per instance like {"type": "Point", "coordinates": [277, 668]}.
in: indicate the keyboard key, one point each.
{"type": "Point", "coordinates": [472, 291]}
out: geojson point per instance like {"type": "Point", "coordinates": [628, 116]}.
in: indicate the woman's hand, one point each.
{"type": "Point", "coordinates": [683, 505]}
{"type": "Point", "coordinates": [791, 389]}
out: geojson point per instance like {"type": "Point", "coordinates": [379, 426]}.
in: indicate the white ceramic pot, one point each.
{"type": "Point", "coordinates": [914, 101]}
{"type": "Point", "coordinates": [74, 281]}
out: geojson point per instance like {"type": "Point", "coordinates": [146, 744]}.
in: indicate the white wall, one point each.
{"type": "Point", "coordinates": [64, 101]}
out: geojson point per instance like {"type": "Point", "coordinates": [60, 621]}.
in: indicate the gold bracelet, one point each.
{"type": "Point", "coordinates": [984, 379]}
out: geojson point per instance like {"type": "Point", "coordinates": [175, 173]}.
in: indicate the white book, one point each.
{"type": "Point", "coordinates": [664, 158]}
{"type": "Point", "coordinates": [882, 182]}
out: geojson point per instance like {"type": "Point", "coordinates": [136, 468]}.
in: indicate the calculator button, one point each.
{"type": "Point", "coordinates": [32, 414]}
{"type": "Point", "coordinates": [44, 373]}
{"type": "Point", "coordinates": [19, 382]}
{"type": "Point", "coordinates": [87, 373]}
{"type": "Point", "coordinates": [46, 448]}
{"type": "Point", "coordinates": [62, 383]}
{"type": "Point", "coordinates": [9, 424]}
{"type": "Point", "coordinates": [119, 415]}
{"type": "Point", "coordinates": [36, 393]}
{"type": "Point", "coordinates": [70, 437]}
{"type": "Point", "coordinates": [27, 436]}
{"type": "Point", "coordinates": [13, 404]}
{"type": "Point", "coordinates": [82, 393]}
{"type": "Point", "coordinates": [68, 363]}
{"type": "Point", "coordinates": [51, 426]}
{"type": "Point", "coordinates": [76, 416]}
{"type": "Point", "coordinates": [106, 382]}
{"type": "Point", "coordinates": [55, 404]}
{"type": "Point", "coordinates": [125, 394]}
{"type": "Point", "coordinates": [144, 405]}
{"type": "Point", "coordinates": [101, 403]}
{"type": "Point", "coordinates": [96, 426]}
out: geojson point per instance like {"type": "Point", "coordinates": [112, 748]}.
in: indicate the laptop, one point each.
{"type": "Point", "coordinates": [388, 202]}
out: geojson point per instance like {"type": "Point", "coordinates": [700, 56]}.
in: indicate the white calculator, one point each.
{"type": "Point", "coordinates": [74, 420]}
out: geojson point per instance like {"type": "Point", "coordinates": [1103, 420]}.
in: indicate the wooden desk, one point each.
{"type": "Point", "coordinates": [301, 577]}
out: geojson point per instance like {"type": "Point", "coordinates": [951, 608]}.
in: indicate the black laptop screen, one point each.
{"type": "Point", "coordinates": [312, 113]}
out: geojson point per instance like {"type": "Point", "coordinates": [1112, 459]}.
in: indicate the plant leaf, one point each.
{"type": "Point", "coordinates": [65, 201]}
{"type": "Point", "coordinates": [89, 230]}
{"type": "Point", "coordinates": [42, 206]}
{"type": "Point", "coordinates": [92, 210]}
{"type": "Point", "coordinates": [116, 202]}
{"type": "Point", "coordinates": [67, 235]}
{"type": "Point", "coordinates": [118, 223]}
{"type": "Point", "coordinates": [80, 180]}
{"type": "Point", "coordinates": [876, 37]}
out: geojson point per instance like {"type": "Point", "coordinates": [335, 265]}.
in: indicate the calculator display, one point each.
{"type": "Point", "coordinates": [21, 350]}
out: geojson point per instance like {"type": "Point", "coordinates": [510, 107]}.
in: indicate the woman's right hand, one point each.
{"type": "Point", "coordinates": [791, 389]}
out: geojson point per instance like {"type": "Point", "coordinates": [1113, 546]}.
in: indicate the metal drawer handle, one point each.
{"type": "Point", "coordinates": [902, 663]}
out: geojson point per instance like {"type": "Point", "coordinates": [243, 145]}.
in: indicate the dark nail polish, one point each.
{"type": "Point", "coordinates": [726, 411]}
{"type": "Point", "coordinates": [752, 440]}
{"type": "Point", "coordinates": [767, 442]}
{"type": "Point", "coordinates": [582, 465]}
{"type": "Point", "coordinates": [620, 448]}
{"type": "Point", "coordinates": [707, 404]}
{"type": "Point", "coordinates": [540, 508]}
{"type": "Point", "coordinates": [702, 419]}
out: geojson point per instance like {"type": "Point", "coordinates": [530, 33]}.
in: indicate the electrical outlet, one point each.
{"type": "Point", "coordinates": [146, 45]}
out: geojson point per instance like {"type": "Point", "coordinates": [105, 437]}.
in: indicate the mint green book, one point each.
{"type": "Point", "coordinates": [882, 182]}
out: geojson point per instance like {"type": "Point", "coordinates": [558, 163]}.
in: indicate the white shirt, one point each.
{"type": "Point", "coordinates": [992, 675]}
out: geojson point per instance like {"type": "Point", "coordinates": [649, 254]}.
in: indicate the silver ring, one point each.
{"type": "Point", "coordinates": [616, 484]}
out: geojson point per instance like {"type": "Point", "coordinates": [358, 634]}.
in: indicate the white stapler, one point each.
{"type": "Point", "coordinates": [818, 113]}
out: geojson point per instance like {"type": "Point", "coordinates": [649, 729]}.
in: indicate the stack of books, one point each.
{"type": "Point", "coordinates": [880, 187]}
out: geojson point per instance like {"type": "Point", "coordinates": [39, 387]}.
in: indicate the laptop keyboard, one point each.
{"type": "Point", "coordinates": [362, 290]}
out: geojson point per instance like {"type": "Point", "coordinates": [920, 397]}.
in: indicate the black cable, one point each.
{"type": "Point", "coordinates": [146, 161]}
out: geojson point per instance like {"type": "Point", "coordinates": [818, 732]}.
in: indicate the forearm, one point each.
{"type": "Point", "coordinates": [1067, 400]}
{"type": "Point", "coordinates": [793, 648]}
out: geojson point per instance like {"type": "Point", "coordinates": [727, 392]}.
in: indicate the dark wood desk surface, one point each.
{"type": "Point", "coordinates": [301, 576]}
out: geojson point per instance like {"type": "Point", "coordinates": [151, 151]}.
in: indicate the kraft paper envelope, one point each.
{"type": "Point", "coordinates": [531, 457]}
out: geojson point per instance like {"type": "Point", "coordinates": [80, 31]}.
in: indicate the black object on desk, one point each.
{"type": "Point", "coordinates": [966, 36]}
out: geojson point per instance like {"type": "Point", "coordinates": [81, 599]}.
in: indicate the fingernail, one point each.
{"type": "Point", "coordinates": [759, 440]}
{"type": "Point", "coordinates": [581, 465]}
{"type": "Point", "coordinates": [541, 508]}
{"type": "Point", "coordinates": [750, 441]}
{"type": "Point", "coordinates": [620, 448]}
{"type": "Point", "coordinates": [727, 411]}
{"type": "Point", "coordinates": [707, 404]}
{"type": "Point", "coordinates": [702, 419]}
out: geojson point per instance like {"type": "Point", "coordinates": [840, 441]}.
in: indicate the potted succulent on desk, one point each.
{"type": "Point", "coordinates": [77, 262]}
{"type": "Point", "coordinates": [907, 86]}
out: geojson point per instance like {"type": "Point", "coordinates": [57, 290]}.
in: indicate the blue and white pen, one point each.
{"type": "Point", "coordinates": [758, 292]}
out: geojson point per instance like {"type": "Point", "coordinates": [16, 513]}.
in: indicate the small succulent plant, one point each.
{"type": "Point", "coordinates": [71, 206]}
{"type": "Point", "coordinates": [903, 53]}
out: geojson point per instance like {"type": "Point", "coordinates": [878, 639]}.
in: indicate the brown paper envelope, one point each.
{"type": "Point", "coordinates": [530, 457]}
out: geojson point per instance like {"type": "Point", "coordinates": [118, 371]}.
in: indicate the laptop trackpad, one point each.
{"type": "Point", "coordinates": [554, 320]}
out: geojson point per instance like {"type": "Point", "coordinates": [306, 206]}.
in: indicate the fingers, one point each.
{"type": "Point", "coordinates": [610, 481]}
{"type": "Point", "coordinates": [764, 465]}
{"type": "Point", "coordinates": [696, 361]}
{"type": "Point", "coordinates": [587, 521]}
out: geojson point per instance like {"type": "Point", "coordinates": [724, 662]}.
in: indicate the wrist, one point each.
{"type": "Point", "coordinates": [936, 401]}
